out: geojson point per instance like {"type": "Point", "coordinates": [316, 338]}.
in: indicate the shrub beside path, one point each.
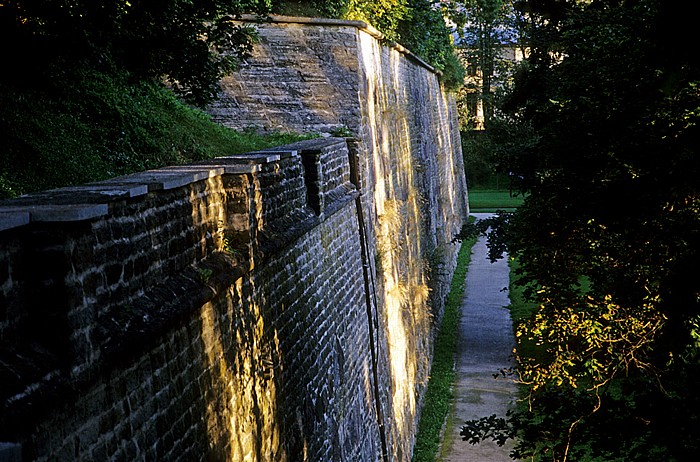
{"type": "Point", "coordinates": [484, 348]}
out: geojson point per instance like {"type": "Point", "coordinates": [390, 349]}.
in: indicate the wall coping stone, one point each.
{"type": "Point", "coordinates": [10, 452]}
{"type": "Point", "coordinates": [278, 18]}
{"type": "Point", "coordinates": [113, 190]}
{"type": "Point", "coordinates": [314, 144]}
{"type": "Point", "coordinates": [263, 156]}
{"type": "Point", "coordinates": [165, 179]}
{"type": "Point", "coordinates": [89, 201]}
{"type": "Point", "coordinates": [13, 218]}
{"type": "Point", "coordinates": [92, 200]}
{"type": "Point", "coordinates": [360, 25]}
{"type": "Point", "coordinates": [58, 213]}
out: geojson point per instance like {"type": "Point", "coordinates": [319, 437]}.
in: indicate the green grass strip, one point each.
{"type": "Point", "coordinates": [488, 200]}
{"type": "Point", "coordinates": [439, 394]}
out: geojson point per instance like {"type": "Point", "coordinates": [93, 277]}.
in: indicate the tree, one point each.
{"type": "Point", "coordinates": [609, 234]}
{"type": "Point", "coordinates": [191, 44]}
{"type": "Point", "coordinates": [425, 33]}
{"type": "Point", "coordinates": [487, 30]}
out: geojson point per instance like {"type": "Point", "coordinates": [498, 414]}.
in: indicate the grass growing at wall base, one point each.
{"type": "Point", "coordinates": [439, 394]}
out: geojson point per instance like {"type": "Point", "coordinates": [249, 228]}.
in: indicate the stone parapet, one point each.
{"type": "Point", "coordinates": [84, 295]}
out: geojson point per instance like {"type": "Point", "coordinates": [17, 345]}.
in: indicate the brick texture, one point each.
{"type": "Point", "coordinates": [278, 305]}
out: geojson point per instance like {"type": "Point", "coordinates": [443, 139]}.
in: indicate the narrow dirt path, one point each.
{"type": "Point", "coordinates": [485, 346]}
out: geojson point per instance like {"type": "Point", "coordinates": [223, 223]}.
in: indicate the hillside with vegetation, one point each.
{"type": "Point", "coordinates": [92, 90]}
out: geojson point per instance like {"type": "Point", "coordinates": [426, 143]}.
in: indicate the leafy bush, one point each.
{"type": "Point", "coordinates": [613, 201]}
{"type": "Point", "coordinates": [425, 33]}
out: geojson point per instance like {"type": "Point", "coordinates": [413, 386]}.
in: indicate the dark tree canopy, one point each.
{"type": "Point", "coordinates": [179, 40]}
{"type": "Point", "coordinates": [609, 234]}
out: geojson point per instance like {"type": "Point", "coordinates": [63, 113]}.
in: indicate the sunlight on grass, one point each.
{"type": "Point", "coordinates": [490, 200]}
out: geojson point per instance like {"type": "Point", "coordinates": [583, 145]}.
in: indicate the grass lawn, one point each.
{"type": "Point", "coordinates": [491, 200]}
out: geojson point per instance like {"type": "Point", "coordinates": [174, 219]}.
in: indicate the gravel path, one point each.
{"type": "Point", "coordinates": [485, 346]}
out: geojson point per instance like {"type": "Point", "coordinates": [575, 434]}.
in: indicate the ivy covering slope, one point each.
{"type": "Point", "coordinates": [82, 89]}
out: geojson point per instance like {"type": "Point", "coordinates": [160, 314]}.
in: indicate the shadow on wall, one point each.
{"type": "Point", "coordinates": [286, 345]}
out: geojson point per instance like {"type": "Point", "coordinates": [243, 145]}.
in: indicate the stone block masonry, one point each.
{"type": "Point", "coordinates": [329, 76]}
{"type": "Point", "coordinates": [200, 312]}
{"type": "Point", "coordinates": [272, 306]}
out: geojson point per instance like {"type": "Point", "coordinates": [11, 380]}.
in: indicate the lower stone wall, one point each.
{"type": "Point", "coordinates": [275, 368]}
{"type": "Point", "coordinates": [247, 348]}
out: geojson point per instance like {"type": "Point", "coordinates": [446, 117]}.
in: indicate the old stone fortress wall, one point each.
{"type": "Point", "coordinates": [273, 306]}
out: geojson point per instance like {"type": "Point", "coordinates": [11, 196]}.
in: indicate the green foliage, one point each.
{"type": "Point", "coordinates": [612, 200]}
{"type": "Point", "coordinates": [341, 131]}
{"type": "Point", "coordinates": [489, 154]}
{"type": "Point", "coordinates": [424, 32]}
{"type": "Point", "coordinates": [90, 125]}
{"type": "Point", "coordinates": [566, 423]}
{"type": "Point", "coordinates": [484, 28]}
{"type": "Point", "coordinates": [480, 163]}
{"type": "Point", "coordinates": [439, 393]}
{"type": "Point", "coordinates": [603, 339]}
{"type": "Point", "coordinates": [490, 427]}
{"type": "Point", "coordinates": [385, 15]}
{"type": "Point", "coordinates": [190, 44]}
{"type": "Point", "coordinates": [204, 274]}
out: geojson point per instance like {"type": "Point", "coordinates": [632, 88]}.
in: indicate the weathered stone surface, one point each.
{"type": "Point", "coordinates": [278, 305]}
{"type": "Point", "coordinates": [307, 75]}
{"type": "Point", "coordinates": [13, 219]}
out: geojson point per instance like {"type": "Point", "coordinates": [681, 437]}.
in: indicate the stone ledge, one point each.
{"type": "Point", "coordinates": [108, 188]}
{"type": "Point", "coordinates": [315, 21]}
{"type": "Point", "coordinates": [171, 177]}
{"type": "Point", "coordinates": [312, 145]}
{"type": "Point", "coordinates": [13, 219]}
{"type": "Point", "coordinates": [10, 452]}
{"type": "Point", "coordinates": [260, 157]}
{"type": "Point", "coordinates": [58, 213]}
{"type": "Point", "coordinates": [92, 200]}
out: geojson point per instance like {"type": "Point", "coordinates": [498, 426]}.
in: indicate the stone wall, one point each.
{"type": "Point", "coordinates": [329, 76]}
{"type": "Point", "coordinates": [215, 311]}
{"type": "Point", "coordinates": [277, 305]}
